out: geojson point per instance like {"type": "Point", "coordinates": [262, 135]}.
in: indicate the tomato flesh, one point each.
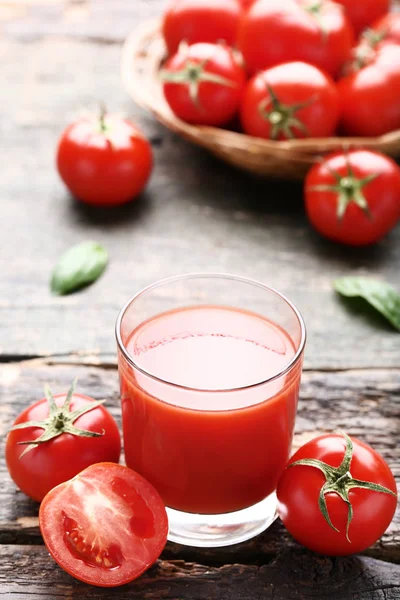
{"type": "Point", "coordinates": [105, 526]}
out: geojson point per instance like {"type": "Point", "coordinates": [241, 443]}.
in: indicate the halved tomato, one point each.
{"type": "Point", "coordinates": [105, 526]}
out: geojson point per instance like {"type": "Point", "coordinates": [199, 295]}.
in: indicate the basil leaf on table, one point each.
{"type": "Point", "coordinates": [378, 294]}
{"type": "Point", "coordinates": [80, 265]}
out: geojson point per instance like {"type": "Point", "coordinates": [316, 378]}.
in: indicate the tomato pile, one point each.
{"type": "Point", "coordinates": [288, 69]}
{"type": "Point", "coordinates": [353, 46]}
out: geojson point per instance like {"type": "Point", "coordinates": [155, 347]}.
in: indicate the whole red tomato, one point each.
{"type": "Point", "coordinates": [203, 84]}
{"type": "Point", "coordinates": [105, 526]}
{"type": "Point", "coordinates": [195, 21]}
{"type": "Point", "coordinates": [353, 198]}
{"type": "Point", "coordinates": [104, 160]}
{"type": "Point", "coordinates": [337, 496]}
{"type": "Point", "coordinates": [273, 32]}
{"type": "Point", "coordinates": [68, 432]}
{"type": "Point", "coordinates": [362, 13]}
{"type": "Point", "coordinates": [369, 95]}
{"type": "Point", "coordinates": [290, 101]}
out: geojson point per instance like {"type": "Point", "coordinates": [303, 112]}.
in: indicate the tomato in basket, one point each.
{"type": "Point", "coordinates": [203, 83]}
{"type": "Point", "coordinates": [293, 100]}
{"type": "Point", "coordinates": [195, 21]}
{"type": "Point", "coordinates": [369, 96]}
{"type": "Point", "coordinates": [362, 13]}
{"type": "Point", "coordinates": [273, 32]}
{"type": "Point", "coordinates": [384, 31]}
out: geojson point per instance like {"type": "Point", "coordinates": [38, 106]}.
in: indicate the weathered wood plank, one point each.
{"type": "Point", "coordinates": [197, 215]}
{"type": "Point", "coordinates": [364, 403]}
{"type": "Point", "coordinates": [98, 21]}
{"type": "Point", "coordinates": [29, 572]}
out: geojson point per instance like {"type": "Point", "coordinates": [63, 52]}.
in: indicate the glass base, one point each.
{"type": "Point", "coordinates": [212, 531]}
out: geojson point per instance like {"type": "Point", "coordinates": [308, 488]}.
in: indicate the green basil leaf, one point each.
{"type": "Point", "coordinates": [79, 266]}
{"type": "Point", "coordinates": [378, 294]}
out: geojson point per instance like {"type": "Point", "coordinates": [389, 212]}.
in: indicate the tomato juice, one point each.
{"type": "Point", "coordinates": [209, 396]}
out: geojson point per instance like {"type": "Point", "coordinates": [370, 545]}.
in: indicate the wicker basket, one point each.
{"type": "Point", "coordinates": [144, 51]}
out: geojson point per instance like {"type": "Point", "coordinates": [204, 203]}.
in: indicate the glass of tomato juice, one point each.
{"type": "Point", "coordinates": [210, 370]}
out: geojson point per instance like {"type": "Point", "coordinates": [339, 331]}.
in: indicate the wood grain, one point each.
{"type": "Point", "coordinates": [28, 572]}
{"type": "Point", "coordinates": [364, 403]}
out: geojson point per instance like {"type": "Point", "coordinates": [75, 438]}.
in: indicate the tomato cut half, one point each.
{"type": "Point", "coordinates": [105, 526]}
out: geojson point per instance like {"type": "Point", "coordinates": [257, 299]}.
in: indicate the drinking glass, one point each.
{"type": "Point", "coordinates": [210, 368]}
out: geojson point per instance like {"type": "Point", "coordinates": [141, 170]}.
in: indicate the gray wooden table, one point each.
{"type": "Point", "coordinates": [57, 60]}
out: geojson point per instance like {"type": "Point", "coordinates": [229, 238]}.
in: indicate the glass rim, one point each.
{"type": "Point", "coordinates": [294, 360]}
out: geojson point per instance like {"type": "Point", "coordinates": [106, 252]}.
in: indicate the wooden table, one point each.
{"type": "Point", "coordinates": [57, 59]}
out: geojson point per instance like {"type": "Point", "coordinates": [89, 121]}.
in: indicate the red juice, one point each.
{"type": "Point", "coordinates": [200, 421]}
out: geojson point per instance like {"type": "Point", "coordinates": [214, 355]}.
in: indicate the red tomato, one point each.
{"type": "Point", "coordinates": [195, 21]}
{"type": "Point", "coordinates": [64, 455]}
{"type": "Point", "coordinates": [362, 13]}
{"type": "Point", "coordinates": [288, 101]}
{"type": "Point", "coordinates": [273, 32]}
{"type": "Point", "coordinates": [354, 198]}
{"type": "Point", "coordinates": [385, 30]}
{"type": "Point", "coordinates": [369, 96]}
{"type": "Point", "coordinates": [303, 485]}
{"type": "Point", "coordinates": [203, 84]}
{"type": "Point", "coordinates": [105, 526]}
{"type": "Point", "coordinates": [104, 160]}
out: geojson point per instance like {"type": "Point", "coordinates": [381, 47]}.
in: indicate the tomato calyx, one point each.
{"type": "Point", "coordinates": [281, 116]}
{"type": "Point", "coordinates": [314, 8]}
{"type": "Point", "coordinates": [60, 420]}
{"type": "Point", "coordinates": [193, 74]}
{"type": "Point", "coordinates": [102, 120]}
{"type": "Point", "coordinates": [372, 37]}
{"type": "Point", "coordinates": [362, 56]}
{"type": "Point", "coordinates": [340, 481]}
{"type": "Point", "coordinates": [348, 189]}
{"type": "Point", "coordinates": [365, 52]}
